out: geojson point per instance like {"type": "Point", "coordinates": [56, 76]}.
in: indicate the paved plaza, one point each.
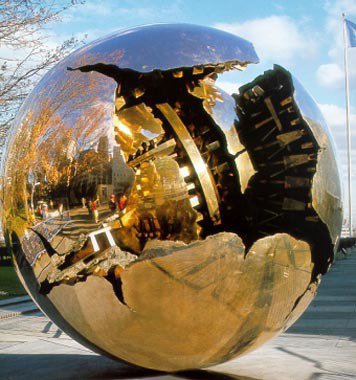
{"type": "Point", "coordinates": [321, 345]}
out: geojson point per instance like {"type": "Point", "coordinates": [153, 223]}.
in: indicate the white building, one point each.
{"type": "Point", "coordinates": [122, 176]}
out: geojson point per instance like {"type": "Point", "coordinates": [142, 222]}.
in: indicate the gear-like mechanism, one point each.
{"type": "Point", "coordinates": [277, 139]}
{"type": "Point", "coordinates": [281, 147]}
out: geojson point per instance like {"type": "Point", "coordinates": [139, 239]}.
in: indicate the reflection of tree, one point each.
{"type": "Point", "coordinates": [63, 160]}
{"type": "Point", "coordinates": [92, 168]}
{"type": "Point", "coordinates": [60, 121]}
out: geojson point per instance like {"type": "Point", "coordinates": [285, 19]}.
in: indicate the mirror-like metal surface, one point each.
{"type": "Point", "coordinates": [327, 202]}
{"type": "Point", "coordinates": [155, 218]}
{"type": "Point", "coordinates": [170, 46]}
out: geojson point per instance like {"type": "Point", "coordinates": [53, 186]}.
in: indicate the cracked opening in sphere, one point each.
{"type": "Point", "coordinates": [186, 170]}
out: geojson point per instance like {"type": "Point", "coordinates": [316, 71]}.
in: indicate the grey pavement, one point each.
{"type": "Point", "coordinates": [16, 306]}
{"type": "Point", "coordinates": [13, 300]}
{"type": "Point", "coordinates": [321, 345]}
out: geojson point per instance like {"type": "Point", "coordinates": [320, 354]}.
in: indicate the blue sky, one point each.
{"type": "Point", "coordinates": [303, 36]}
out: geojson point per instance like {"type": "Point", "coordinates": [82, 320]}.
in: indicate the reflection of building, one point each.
{"type": "Point", "coordinates": [93, 173]}
{"type": "Point", "coordinates": [99, 174]}
{"type": "Point", "coordinates": [122, 175]}
{"type": "Point", "coordinates": [159, 181]}
{"type": "Point", "coordinates": [103, 148]}
{"type": "Point", "coordinates": [104, 191]}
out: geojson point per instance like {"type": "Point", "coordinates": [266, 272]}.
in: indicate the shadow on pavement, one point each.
{"type": "Point", "coordinates": [325, 373]}
{"type": "Point", "coordinates": [71, 367]}
{"type": "Point", "coordinates": [210, 375]}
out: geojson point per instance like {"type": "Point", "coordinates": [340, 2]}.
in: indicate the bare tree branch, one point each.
{"type": "Point", "coordinates": [24, 52]}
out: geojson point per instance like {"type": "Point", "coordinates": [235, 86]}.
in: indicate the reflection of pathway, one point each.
{"type": "Point", "coordinates": [82, 222]}
{"type": "Point", "coordinates": [64, 233]}
{"type": "Point", "coordinates": [321, 345]}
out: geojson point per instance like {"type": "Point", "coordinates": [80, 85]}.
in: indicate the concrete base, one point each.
{"type": "Point", "coordinates": [321, 345]}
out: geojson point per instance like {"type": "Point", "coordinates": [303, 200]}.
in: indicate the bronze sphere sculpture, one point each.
{"type": "Point", "coordinates": [157, 219]}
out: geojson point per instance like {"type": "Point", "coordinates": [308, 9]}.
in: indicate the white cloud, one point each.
{"type": "Point", "coordinates": [335, 9]}
{"type": "Point", "coordinates": [336, 119]}
{"type": "Point", "coordinates": [229, 87]}
{"type": "Point", "coordinates": [276, 38]}
{"type": "Point", "coordinates": [123, 13]}
{"type": "Point", "coordinates": [101, 9]}
{"type": "Point", "coordinates": [330, 75]}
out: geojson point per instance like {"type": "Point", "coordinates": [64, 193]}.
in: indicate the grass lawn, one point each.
{"type": "Point", "coordinates": [10, 285]}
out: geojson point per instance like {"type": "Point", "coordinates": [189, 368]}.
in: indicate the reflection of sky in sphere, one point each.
{"type": "Point", "coordinates": [310, 110]}
{"type": "Point", "coordinates": [167, 46]}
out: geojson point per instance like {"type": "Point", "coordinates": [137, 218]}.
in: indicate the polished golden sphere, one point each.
{"type": "Point", "coordinates": [155, 218]}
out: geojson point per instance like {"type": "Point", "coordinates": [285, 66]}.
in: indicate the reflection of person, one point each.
{"type": "Point", "coordinates": [122, 202]}
{"type": "Point", "coordinates": [89, 206]}
{"type": "Point", "coordinates": [44, 209]}
{"type": "Point", "coordinates": [39, 209]}
{"type": "Point", "coordinates": [112, 202]}
{"type": "Point", "coordinates": [60, 209]}
{"type": "Point", "coordinates": [94, 210]}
